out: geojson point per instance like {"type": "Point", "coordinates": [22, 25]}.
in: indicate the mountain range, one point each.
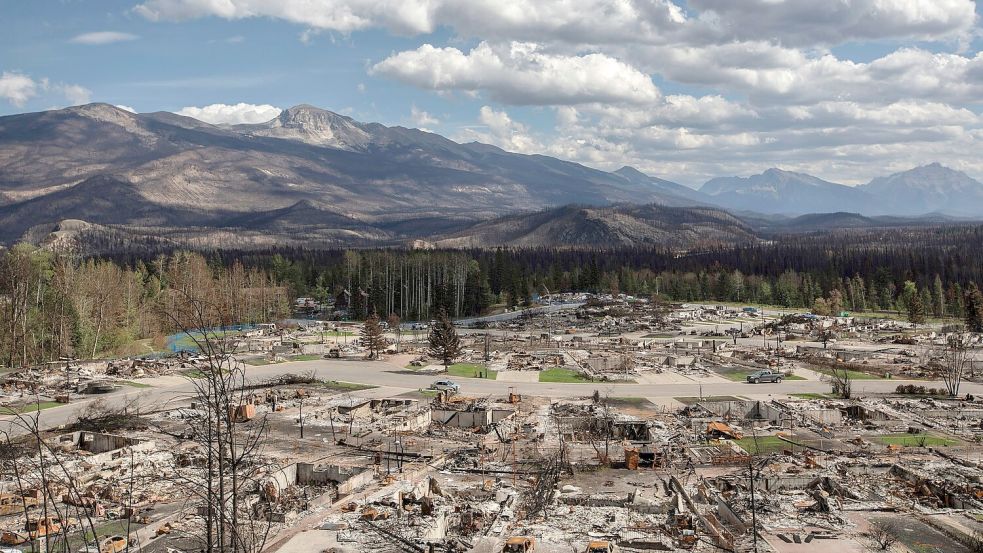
{"type": "Point", "coordinates": [928, 190]}
{"type": "Point", "coordinates": [313, 177]}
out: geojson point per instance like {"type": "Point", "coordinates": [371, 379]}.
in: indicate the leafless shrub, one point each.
{"type": "Point", "coordinates": [883, 535]}
{"type": "Point", "coordinates": [103, 416]}
{"type": "Point", "coordinates": [840, 381]}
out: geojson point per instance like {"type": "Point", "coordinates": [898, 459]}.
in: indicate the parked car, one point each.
{"type": "Point", "coordinates": [446, 386]}
{"type": "Point", "coordinates": [764, 376]}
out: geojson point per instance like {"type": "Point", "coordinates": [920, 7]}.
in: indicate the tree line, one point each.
{"type": "Point", "coordinates": [929, 270]}
{"type": "Point", "coordinates": [54, 306]}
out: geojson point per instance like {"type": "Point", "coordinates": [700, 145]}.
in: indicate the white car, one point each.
{"type": "Point", "coordinates": [446, 386]}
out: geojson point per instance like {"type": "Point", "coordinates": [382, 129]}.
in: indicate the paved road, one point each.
{"type": "Point", "coordinates": [498, 317]}
{"type": "Point", "coordinates": [174, 391]}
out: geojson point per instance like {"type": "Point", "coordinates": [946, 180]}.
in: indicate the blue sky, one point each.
{"type": "Point", "coordinates": [845, 89]}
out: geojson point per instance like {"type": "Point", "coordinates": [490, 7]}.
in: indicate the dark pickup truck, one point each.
{"type": "Point", "coordinates": [764, 376]}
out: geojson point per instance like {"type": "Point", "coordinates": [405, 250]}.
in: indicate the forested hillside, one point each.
{"type": "Point", "coordinates": [53, 305]}
{"type": "Point", "coordinates": [868, 270]}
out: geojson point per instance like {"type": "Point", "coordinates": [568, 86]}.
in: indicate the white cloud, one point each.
{"type": "Point", "coordinates": [770, 74]}
{"type": "Point", "coordinates": [901, 114]}
{"type": "Point", "coordinates": [690, 139]}
{"type": "Point", "coordinates": [405, 16]}
{"type": "Point", "coordinates": [808, 22]}
{"type": "Point", "coordinates": [76, 94]}
{"type": "Point", "coordinates": [17, 88]}
{"type": "Point", "coordinates": [126, 108]}
{"type": "Point", "coordinates": [226, 114]}
{"type": "Point", "coordinates": [421, 118]}
{"type": "Point", "coordinates": [521, 74]}
{"type": "Point", "coordinates": [103, 37]}
{"type": "Point", "coordinates": [307, 36]}
{"type": "Point", "coordinates": [498, 128]}
{"type": "Point", "coordinates": [678, 110]}
{"type": "Point", "coordinates": [568, 21]}
{"type": "Point", "coordinates": [795, 22]}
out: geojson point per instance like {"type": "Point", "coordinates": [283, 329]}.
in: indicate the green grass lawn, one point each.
{"type": "Point", "coordinates": [344, 386]}
{"type": "Point", "coordinates": [558, 374]}
{"type": "Point", "coordinates": [470, 370]}
{"type": "Point", "coordinates": [915, 440]}
{"type": "Point", "coordinates": [854, 375]}
{"type": "Point", "coordinates": [305, 357]}
{"type": "Point", "coordinates": [28, 408]}
{"type": "Point", "coordinates": [762, 445]}
{"type": "Point", "coordinates": [741, 376]}
{"type": "Point", "coordinates": [135, 384]}
{"type": "Point", "coordinates": [570, 376]}
{"type": "Point", "coordinates": [690, 400]}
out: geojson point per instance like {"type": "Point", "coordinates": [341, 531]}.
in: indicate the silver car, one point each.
{"type": "Point", "coordinates": [445, 386]}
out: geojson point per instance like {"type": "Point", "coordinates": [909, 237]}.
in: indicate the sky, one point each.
{"type": "Point", "coordinates": [681, 89]}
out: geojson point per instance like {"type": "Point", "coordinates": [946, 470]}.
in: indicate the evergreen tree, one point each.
{"type": "Point", "coordinates": [957, 301]}
{"type": "Point", "coordinates": [444, 342]}
{"type": "Point", "coordinates": [372, 336]}
{"type": "Point", "coordinates": [916, 309]}
{"type": "Point", "coordinates": [926, 299]}
{"type": "Point", "coordinates": [973, 307]}
{"type": "Point", "coordinates": [909, 291]}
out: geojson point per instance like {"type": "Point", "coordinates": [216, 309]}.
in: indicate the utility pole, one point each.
{"type": "Point", "coordinates": [334, 439]}
{"type": "Point", "coordinates": [515, 440]}
{"type": "Point", "coordinates": [302, 418]}
{"type": "Point", "coordinates": [754, 508]}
